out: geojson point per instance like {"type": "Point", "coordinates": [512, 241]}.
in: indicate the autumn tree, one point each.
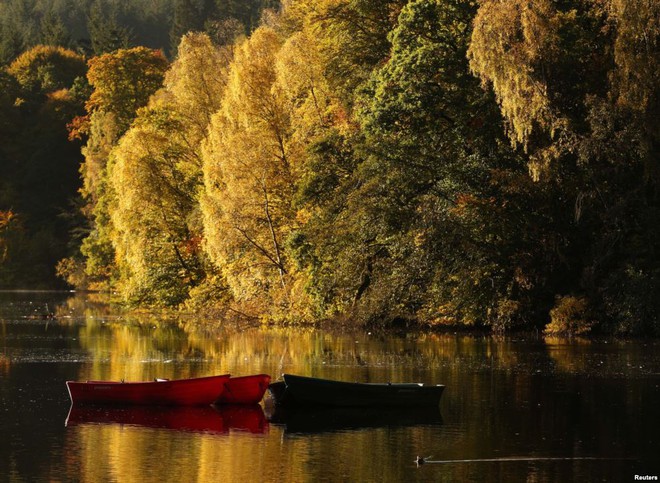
{"type": "Point", "coordinates": [390, 213]}
{"type": "Point", "coordinates": [47, 68]}
{"type": "Point", "coordinates": [636, 77]}
{"type": "Point", "coordinates": [248, 175]}
{"type": "Point", "coordinates": [197, 79]}
{"type": "Point", "coordinates": [156, 171]}
{"type": "Point", "coordinates": [620, 154]}
{"type": "Point", "coordinates": [351, 36]}
{"type": "Point", "coordinates": [122, 82]}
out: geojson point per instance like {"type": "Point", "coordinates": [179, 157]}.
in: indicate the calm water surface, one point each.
{"type": "Point", "coordinates": [515, 409]}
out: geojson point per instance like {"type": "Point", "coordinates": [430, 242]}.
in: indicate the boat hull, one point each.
{"type": "Point", "coordinates": [199, 391]}
{"type": "Point", "coordinates": [245, 389]}
{"type": "Point", "coordinates": [300, 390]}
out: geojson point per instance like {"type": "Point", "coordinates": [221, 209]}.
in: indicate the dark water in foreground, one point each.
{"type": "Point", "coordinates": [539, 410]}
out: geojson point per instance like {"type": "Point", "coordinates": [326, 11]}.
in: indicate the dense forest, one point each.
{"type": "Point", "coordinates": [438, 162]}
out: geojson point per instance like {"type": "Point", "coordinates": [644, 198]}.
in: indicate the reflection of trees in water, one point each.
{"type": "Point", "coordinates": [607, 357]}
{"type": "Point", "coordinates": [5, 365]}
{"type": "Point", "coordinates": [504, 397]}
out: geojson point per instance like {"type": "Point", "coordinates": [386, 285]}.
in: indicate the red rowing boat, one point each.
{"type": "Point", "coordinates": [245, 389]}
{"type": "Point", "coordinates": [199, 391]}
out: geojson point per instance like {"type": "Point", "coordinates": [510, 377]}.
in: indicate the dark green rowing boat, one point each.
{"type": "Point", "coordinates": [300, 390]}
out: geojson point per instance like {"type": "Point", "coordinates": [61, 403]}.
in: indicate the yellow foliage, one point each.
{"type": "Point", "coordinates": [156, 171]}
{"type": "Point", "coordinates": [6, 217]}
{"type": "Point", "coordinates": [103, 134]}
{"type": "Point", "coordinates": [276, 102]}
{"type": "Point", "coordinates": [124, 80]}
{"type": "Point", "coordinates": [197, 78]}
{"type": "Point", "coordinates": [570, 316]}
{"type": "Point", "coordinates": [505, 314]}
{"type": "Point", "coordinates": [47, 67]}
{"type": "Point", "coordinates": [509, 43]}
{"type": "Point", "coordinates": [247, 175]}
{"type": "Point", "coordinates": [636, 51]}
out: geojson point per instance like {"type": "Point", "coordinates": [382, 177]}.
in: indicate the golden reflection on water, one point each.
{"type": "Point", "coordinates": [505, 396]}
{"type": "Point", "coordinates": [144, 347]}
{"type": "Point", "coordinates": [124, 349]}
{"type": "Point", "coordinates": [132, 454]}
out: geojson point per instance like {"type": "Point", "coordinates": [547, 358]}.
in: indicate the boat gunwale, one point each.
{"type": "Point", "coordinates": [304, 390]}
{"type": "Point", "coordinates": [123, 393]}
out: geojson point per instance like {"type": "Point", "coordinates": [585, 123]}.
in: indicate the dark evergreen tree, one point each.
{"type": "Point", "coordinates": [53, 31]}
{"type": "Point", "coordinates": [105, 33]}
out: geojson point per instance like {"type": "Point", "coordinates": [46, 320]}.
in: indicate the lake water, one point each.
{"type": "Point", "coordinates": [515, 409]}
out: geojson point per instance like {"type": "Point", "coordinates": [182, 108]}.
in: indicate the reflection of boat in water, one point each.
{"type": "Point", "coordinates": [200, 391]}
{"type": "Point", "coordinates": [300, 390]}
{"type": "Point", "coordinates": [211, 419]}
{"type": "Point", "coordinates": [319, 419]}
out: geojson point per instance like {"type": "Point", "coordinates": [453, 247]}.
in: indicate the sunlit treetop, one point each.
{"type": "Point", "coordinates": [124, 80]}
{"type": "Point", "coordinates": [47, 68]}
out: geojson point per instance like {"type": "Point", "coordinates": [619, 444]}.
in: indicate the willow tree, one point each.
{"type": "Point", "coordinates": [577, 85]}
{"type": "Point", "coordinates": [248, 175]}
{"type": "Point", "coordinates": [156, 173]}
{"type": "Point", "coordinates": [636, 78]}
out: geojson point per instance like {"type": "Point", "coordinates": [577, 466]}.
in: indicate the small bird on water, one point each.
{"type": "Point", "coordinates": [421, 460]}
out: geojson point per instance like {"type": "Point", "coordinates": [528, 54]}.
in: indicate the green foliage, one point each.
{"type": "Point", "coordinates": [39, 166]}
{"type": "Point", "coordinates": [96, 27]}
{"type": "Point", "coordinates": [105, 33]}
{"type": "Point", "coordinates": [352, 36]}
{"type": "Point", "coordinates": [436, 161]}
{"type": "Point", "coordinates": [396, 210]}
{"type": "Point", "coordinates": [9, 92]}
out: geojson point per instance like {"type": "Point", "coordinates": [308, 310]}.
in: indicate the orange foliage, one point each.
{"type": "Point", "coordinates": [6, 217]}
{"type": "Point", "coordinates": [78, 127]}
